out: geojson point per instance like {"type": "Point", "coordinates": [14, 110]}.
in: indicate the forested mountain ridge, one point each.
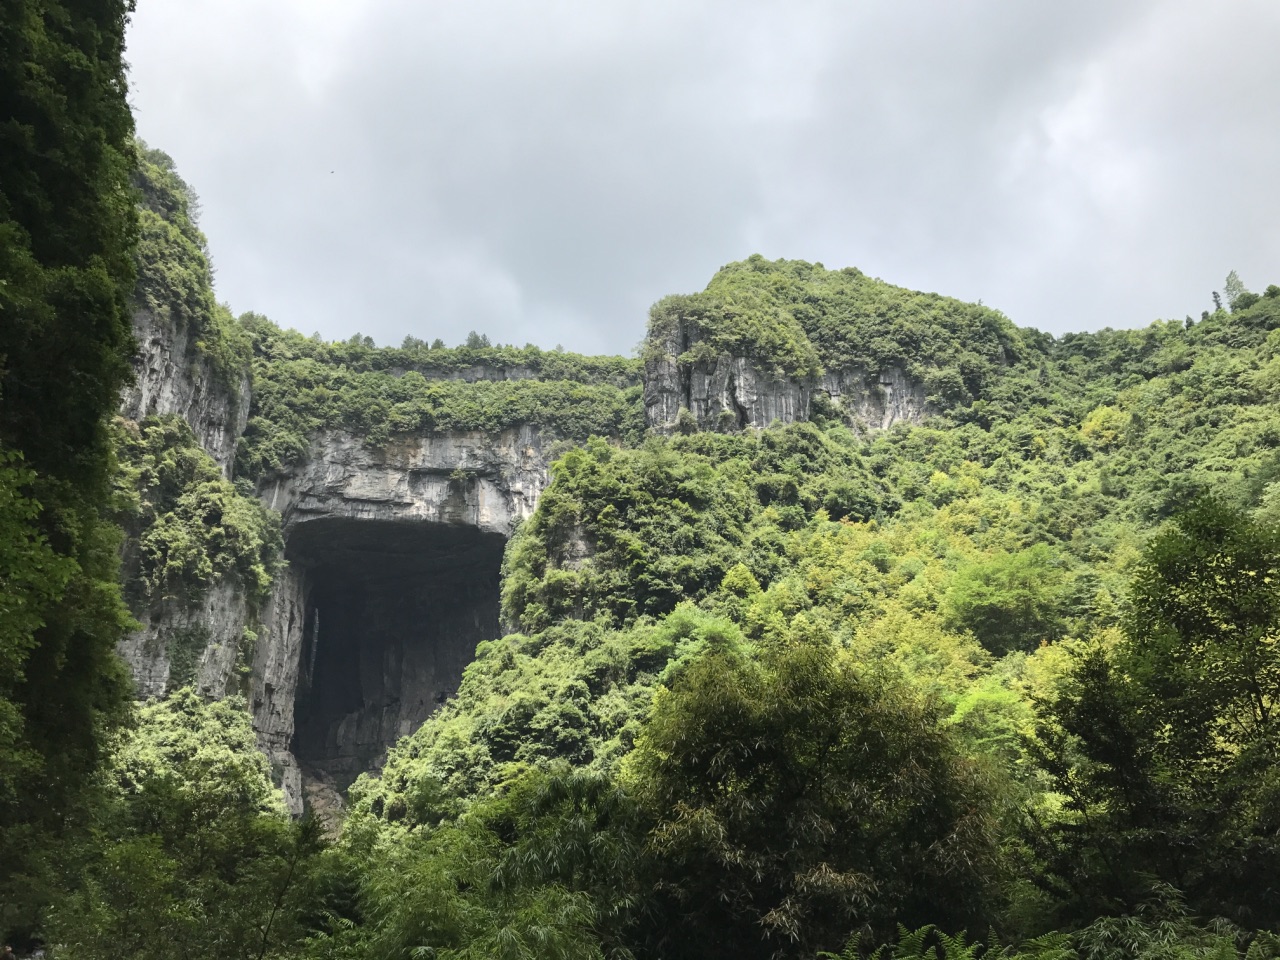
{"type": "Point", "coordinates": [1009, 532]}
{"type": "Point", "coordinates": [798, 318]}
{"type": "Point", "coordinates": [980, 633]}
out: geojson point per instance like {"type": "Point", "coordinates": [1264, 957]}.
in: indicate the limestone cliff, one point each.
{"type": "Point", "coordinates": [203, 643]}
{"type": "Point", "coordinates": [487, 481]}
{"type": "Point", "coordinates": [172, 375]}
{"type": "Point", "coordinates": [392, 580]}
{"type": "Point", "coordinates": [188, 639]}
{"type": "Point", "coordinates": [875, 401]}
{"type": "Point", "coordinates": [392, 551]}
{"type": "Point", "coordinates": [725, 392]}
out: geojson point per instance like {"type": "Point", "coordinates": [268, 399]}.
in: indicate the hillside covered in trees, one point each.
{"type": "Point", "coordinates": [999, 680]}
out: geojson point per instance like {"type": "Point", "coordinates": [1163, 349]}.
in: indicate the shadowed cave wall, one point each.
{"type": "Point", "coordinates": [394, 610]}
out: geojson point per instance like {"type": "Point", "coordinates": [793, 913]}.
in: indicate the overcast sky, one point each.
{"type": "Point", "coordinates": [542, 172]}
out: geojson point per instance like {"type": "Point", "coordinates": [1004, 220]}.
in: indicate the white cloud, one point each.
{"type": "Point", "coordinates": [544, 171]}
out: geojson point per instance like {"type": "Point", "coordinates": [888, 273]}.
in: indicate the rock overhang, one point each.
{"type": "Point", "coordinates": [414, 529]}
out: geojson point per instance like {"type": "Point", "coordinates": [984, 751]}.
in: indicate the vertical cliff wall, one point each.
{"type": "Point", "coordinates": [184, 638]}
{"type": "Point", "coordinates": [723, 392]}
{"type": "Point", "coordinates": [391, 552]}
{"type": "Point", "coordinates": [392, 558]}
{"type": "Point", "coordinates": [173, 376]}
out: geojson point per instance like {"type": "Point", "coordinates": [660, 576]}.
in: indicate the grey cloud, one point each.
{"type": "Point", "coordinates": [544, 172]}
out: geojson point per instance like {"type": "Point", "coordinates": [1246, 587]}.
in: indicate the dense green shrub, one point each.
{"type": "Point", "coordinates": [797, 319]}
{"type": "Point", "coordinates": [67, 230]}
{"type": "Point", "coordinates": [304, 385]}
{"type": "Point", "coordinates": [190, 527]}
{"type": "Point", "coordinates": [199, 854]}
{"type": "Point", "coordinates": [1164, 742]}
{"type": "Point", "coordinates": [801, 798]}
{"type": "Point", "coordinates": [175, 281]}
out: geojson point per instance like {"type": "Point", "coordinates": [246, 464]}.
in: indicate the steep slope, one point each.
{"type": "Point", "coordinates": [775, 340]}
{"type": "Point", "coordinates": [339, 452]}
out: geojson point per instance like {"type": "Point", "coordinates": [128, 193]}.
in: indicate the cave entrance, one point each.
{"type": "Point", "coordinates": [394, 612]}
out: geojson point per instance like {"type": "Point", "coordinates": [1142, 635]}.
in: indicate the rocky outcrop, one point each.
{"type": "Point", "coordinates": [173, 376]}
{"type": "Point", "coordinates": [393, 553]}
{"type": "Point", "coordinates": [204, 643]}
{"type": "Point", "coordinates": [276, 666]}
{"type": "Point", "coordinates": [488, 481]}
{"type": "Point", "coordinates": [724, 392]}
{"type": "Point", "coordinates": [200, 640]}
{"type": "Point", "coordinates": [872, 402]}
{"type": "Point", "coordinates": [720, 391]}
{"type": "Point", "coordinates": [391, 580]}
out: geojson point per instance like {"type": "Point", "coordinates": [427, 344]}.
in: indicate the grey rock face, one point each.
{"type": "Point", "coordinates": [393, 553]}
{"type": "Point", "coordinates": [276, 664]}
{"type": "Point", "coordinates": [875, 402]}
{"type": "Point", "coordinates": [182, 643]}
{"type": "Point", "coordinates": [723, 393]}
{"type": "Point", "coordinates": [730, 393]}
{"type": "Point", "coordinates": [201, 638]}
{"type": "Point", "coordinates": [490, 482]}
{"type": "Point", "coordinates": [173, 376]}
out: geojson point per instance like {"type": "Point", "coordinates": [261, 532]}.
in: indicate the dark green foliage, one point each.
{"type": "Point", "coordinates": [743, 323]}
{"type": "Point", "coordinates": [190, 528]}
{"type": "Point", "coordinates": [797, 318]}
{"type": "Point", "coordinates": [1164, 745]}
{"type": "Point", "coordinates": [625, 532]}
{"type": "Point", "coordinates": [631, 532]}
{"type": "Point", "coordinates": [33, 575]}
{"type": "Point", "coordinates": [799, 799]}
{"type": "Point", "coordinates": [386, 395]}
{"type": "Point", "coordinates": [175, 283]}
{"type": "Point", "coordinates": [196, 855]}
{"type": "Point", "coordinates": [67, 225]}
{"type": "Point", "coordinates": [1011, 601]}
{"type": "Point", "coordinates": [1160, 931]}
{"type": "Point", "coordinates": [575, 693]}
{"type": "Point", "coordinates": [549, 871]}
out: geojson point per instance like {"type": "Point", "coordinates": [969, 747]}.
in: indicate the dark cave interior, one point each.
{"type": "Point", "coordinates": [394, 612]}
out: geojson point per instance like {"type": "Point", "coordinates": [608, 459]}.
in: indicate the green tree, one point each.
{"type": "Point", "coordinates": [547, 871]}
{"type": "Point", "coordinates": [1234, 290]}
{"type": "Point", "coordinates": [67, 229]}
{"type": "Point", "coordinates": [798, 800]}
{"type": "Point", "coordinates": [196, 854]}
{"type": "Point", "coordinates": [1011, 601]}
{"type": "Point", "coordinates": [189, 527]}
{"type": "Point", "coordinates": [1164, 743]}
